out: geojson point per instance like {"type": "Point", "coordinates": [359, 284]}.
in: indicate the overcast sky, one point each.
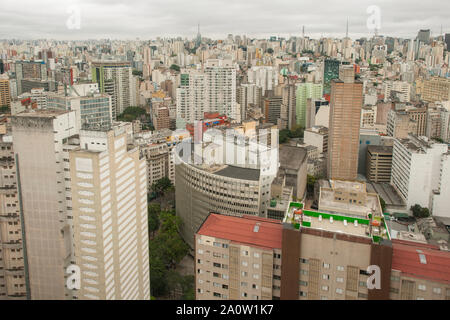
{"type": "Point", "coordinates": [147, 19]}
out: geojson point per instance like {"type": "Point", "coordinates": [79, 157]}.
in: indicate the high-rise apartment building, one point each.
{"type": "Point", "coordinates": [5, 93]}
{"type": "Point", "coordinates": [109, 201]}
{"type": "Point", "coordinates": [424, 36]}
{"type": "Point", "coordinates": [311, 255]}
{"type": "Point", "coordinates": [114, 78]}
{"type": "Point", "coordinates": [400, 125]}
{"type": "Point", "coordinates": [272, 106]}
{"type": "Point", "coordinates": [12, 265]}
{"type": "Point", "coordinates": [330, 72]}
{"type": "Point", "coordinates": [248, 94]}
{"type": "Point", "coordinates": [213, 90]}
{"type": "Point", "coordinates": [418, 167]}
{"type": "Point", "coordinates": [304, 92]}
{"type": "Point", "coordinates": [399, 89]}
{"type": "Point", "coordinates": [29, 70]}
{"type": "Point", "coordinates": [434, 89]}
{"type": "Point", "coordinates": [92, 108]}
{"type": "Point", "coordinates": [147, 66]}
{"type": "Point", "coordinates": [379, 163]}
{"type": "Point", "coordinates": [41, 150]}
{"type": "Point", "coordinates": [191, 97]}
{"type": "Point", "coordinates": [419, 115]}
{"type": "Point", "coordinates": [238, 258]}
{"type": "Point", "coordinates": [345, 116]}
{"type": "Point", "coordinates": [220, 84]}
{"type": "Point", "coordinates": [265, 77]}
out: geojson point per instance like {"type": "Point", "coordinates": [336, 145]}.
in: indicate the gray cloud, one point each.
{"type": "Point", "coordinates": [122, 19]}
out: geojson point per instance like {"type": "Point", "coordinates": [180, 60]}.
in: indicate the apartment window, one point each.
{"type": "Point", "coordinates": [200, 251]}
{"type": "Point", "coordinates": [215, 294]}
{"type": "Point", "coordinates": [363, 284]}
{"type": "Point", "coordinates": [437, 290]}
{"type": "Point", "coordinates": [216, 275]}
{"type": "Point", "coordinates": [217, 285]}
{"type": "Point", "coordinates": [339, 291]}
{"type": "Point", "coordinates": [254, 286]}
{"type": "Point", "coordinates": [326, 265]}
{"type": "Point", "coordinates": [394, 278]}
{"type": "Point", "coordinates": [362, 295]}
{"type": "Point", "coordinates": [200, 281]}
{"type": "Point", "coordinates": [326, 277]}
{"type": "Point", "coordinates": [275, 277]}
{"type": "Point", "coordinates": [244, 274]}
{"type": "Point", "coordinates": [340, 279]}
{"type": "Point", "coordinates": [225, 276]}
{"type": "Point", "coordinates": [245, 263]}
{"type": "Point", "coordinates": [302, 294]}
{"type": "Point", "coordinates": [243, 284]}
{"type": "Point", "coordinates": [303, 283]}
{"type": "Point", "coordinates": [277, 256]}
{"type": "Point", "coordinates": [256, 276]}
{"type": "Point", "coordinates": [255, 266]}
{"type": "Point", "coordinates": [340, 268]}
{"type": "Point", "coordinates": [394, 290]}
{"type": "Point", "coordinates": [217, 265]}
{"type": "Point", "coordinates": [304, 272]}
{"type": "Point", "coordinates": [303, 260]}
{"type": "Point", "coordinates": [244, 294]}
{"type": "Point", "coordinates": [422, 287]}
{"type": "Point", "coordinates": [245, 253]}
{"type": "Point", "coordinates": [325, 288]}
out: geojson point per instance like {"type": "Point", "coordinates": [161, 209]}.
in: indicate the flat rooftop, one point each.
{"type": "Point", "coordinates": [380, 149]}
{"type": "Point", "coordinates": [239, 173]}
{"type": "Point", "coordinates": [333, 222]}
{"type": "Point", "coordinates": [41, 113]}
{"type": "Point", "coordinates": [247, 230]}
{"type": "Point", "coordinates": [291, 157]}
{"type": "Point", "coordinates": [387, 192]}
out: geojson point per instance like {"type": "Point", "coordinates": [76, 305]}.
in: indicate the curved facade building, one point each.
{"type": "Point", "coordinates": [223, 189]}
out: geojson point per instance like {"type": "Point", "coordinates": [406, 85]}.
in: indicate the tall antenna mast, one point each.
{"type": "Point", "coordinates": [303, 31]}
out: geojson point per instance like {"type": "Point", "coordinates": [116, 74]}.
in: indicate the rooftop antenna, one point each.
{"type": "Point", "coordinates": [303, 31]}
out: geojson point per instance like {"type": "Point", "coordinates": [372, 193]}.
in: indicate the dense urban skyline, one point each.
{"type": "Point", "coordinates": [26, 19]}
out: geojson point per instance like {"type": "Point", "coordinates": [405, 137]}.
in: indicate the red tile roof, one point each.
{"type": "Point", "coordinates": [406, 259]}
{"type": "Point", "coordinates": [241, 230]}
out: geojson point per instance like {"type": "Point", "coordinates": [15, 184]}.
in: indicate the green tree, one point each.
{"type": "Point", "coordinates": [420, 212]}
{"type": "Point", "coordinates": [136, 73]}
{"type": "Point", "coordinates": [131, 113]}
{"type": "Point", "coordinates": [383, 204]}
{"type": "Point", "coordinates": [162, 185]}
{"type": "Point", "coordinates": [283, 136]}
{"type": "Point", "coordinates": [310, 181]}
{"type": "Point", "coordinates": [4, 109]}
{"type": "Point", "coordinates": [269, 50]}
{"type": "Point", "coordinates": [153, 217]}
{"type": "Point", "coordinates": [297, 132]}
{"type": "Point", "coordinates": [175, 67]}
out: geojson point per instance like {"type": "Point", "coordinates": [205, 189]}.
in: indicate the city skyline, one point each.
{"type": "Point", "coordinates": [48, 19]}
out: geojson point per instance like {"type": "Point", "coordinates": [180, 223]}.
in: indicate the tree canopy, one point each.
{"type": "Point", "coordinates": [131, 113]}
{"type": "Point", "coordinates": [420, 212]}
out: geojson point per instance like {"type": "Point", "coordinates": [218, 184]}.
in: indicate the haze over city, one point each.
{"type": "Point", "coordinates": [116, 19]}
